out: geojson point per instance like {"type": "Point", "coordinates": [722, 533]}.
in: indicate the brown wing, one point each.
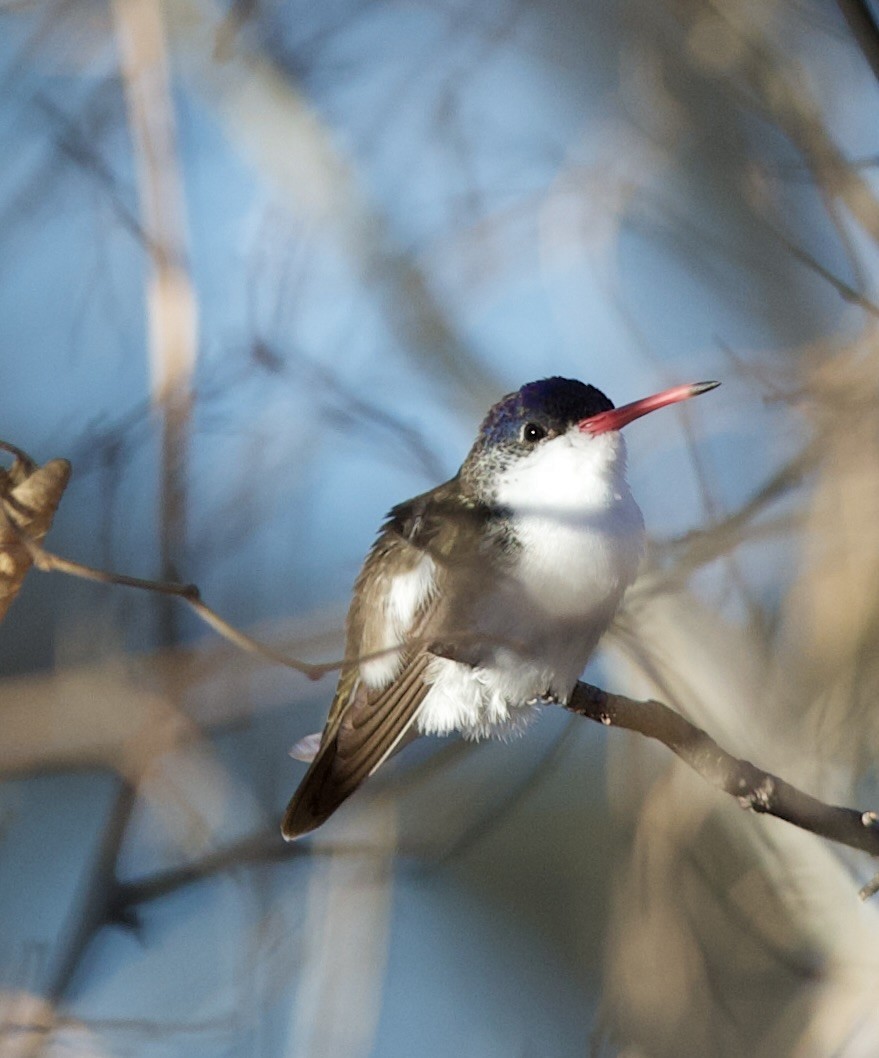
{"type": "Point", "coordinates": [360, 740]}
{"type": "Point", "coordinates": [363, 727]}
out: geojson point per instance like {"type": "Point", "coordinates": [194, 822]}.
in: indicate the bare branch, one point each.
{"type": "Point", "coordinates": [754, 788]}
{"type": "Point", "coordinates": [257, 848]}
{"type": "Point", "coordinates": [171, 302]}
{"type": "Point", "coordinates": [861, 22]}
{"type": "Point", "coordinates": [48, 562]}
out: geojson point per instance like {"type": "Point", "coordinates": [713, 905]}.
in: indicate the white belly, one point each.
{"type": "Point", "coordinates": [573, 568]}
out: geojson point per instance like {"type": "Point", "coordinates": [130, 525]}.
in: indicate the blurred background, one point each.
{"type": "Point", "coordinates": [264, 268]}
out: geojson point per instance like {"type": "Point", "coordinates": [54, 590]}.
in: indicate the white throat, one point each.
{"type": "Point", "coordinates": [580, 536]}
{"type": "Point", "coordinates": [570, 473]}
{"type": "Point", "coordinates": [580, 530]}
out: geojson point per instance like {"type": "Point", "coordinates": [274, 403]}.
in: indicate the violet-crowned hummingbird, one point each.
{"type": "Point", "coordinates": [484, 598]}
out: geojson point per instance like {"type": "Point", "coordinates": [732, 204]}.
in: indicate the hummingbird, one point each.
{"type": "Point", "coordinates": [483, 599]}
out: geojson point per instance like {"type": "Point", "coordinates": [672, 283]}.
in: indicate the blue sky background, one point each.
{"type": "Point", "coordinates": [393, 213]}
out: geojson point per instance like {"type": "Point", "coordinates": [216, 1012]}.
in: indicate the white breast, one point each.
{"type": "Point", "coordinates": [580, 529]}
{"type": "Point", "coordinates": [581, 537]}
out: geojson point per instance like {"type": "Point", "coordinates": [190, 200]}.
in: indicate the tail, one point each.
{"type": "Point", "coordinates": [320, 793]}
{"type": "Point", "coordinates": [355, 746]}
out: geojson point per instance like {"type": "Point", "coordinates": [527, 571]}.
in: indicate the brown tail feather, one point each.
{"type": "Point", "coordinates": [367, 735]}
{"type": "Point", "coordinates": [317, 797]}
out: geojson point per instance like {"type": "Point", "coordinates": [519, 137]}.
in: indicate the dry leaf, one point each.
{"type": "Point", "coordinates": [30, 496]}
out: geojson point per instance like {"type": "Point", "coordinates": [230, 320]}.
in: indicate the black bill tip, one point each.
{"type": "Point", "coordinates": [702, 387]}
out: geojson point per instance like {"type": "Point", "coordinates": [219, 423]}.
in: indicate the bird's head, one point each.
{"type": "Point", "coordinates": [553, 426]}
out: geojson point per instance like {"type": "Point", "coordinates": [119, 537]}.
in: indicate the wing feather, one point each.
{"type": "Point", "coordinates": [366, 724]}
{"type": "Point", "coordinates": [367, 733]}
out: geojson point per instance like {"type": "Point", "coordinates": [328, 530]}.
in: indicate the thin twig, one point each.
{"type": "Point", "coordinates": [845, 290]}
{"type": "Point", "coordinates": [861, 22]}
{"type": "Point", "coordinates": [48, 562]}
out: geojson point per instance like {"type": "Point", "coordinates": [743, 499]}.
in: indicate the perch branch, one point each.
{"type": "Point", "coordinates": [754, 788]}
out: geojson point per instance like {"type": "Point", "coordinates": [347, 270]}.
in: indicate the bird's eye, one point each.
{"type": "Point", "coordinates": [532, 432]}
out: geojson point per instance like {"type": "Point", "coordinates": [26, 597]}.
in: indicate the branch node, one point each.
{"type": "Point", "coordinates": [760, 798]}
{"type": "Point", "coordinates": [870, 889]}
{"type": "Point", "coordinates": [870, 819]}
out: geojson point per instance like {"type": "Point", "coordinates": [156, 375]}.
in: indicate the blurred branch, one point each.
{"type": "Point", "coordinates": [262, 111]}
{"type": "Point", "coordinates": [172, 309]}
{"type": "Point", "coordinates": [47, 562]}
{"type": "Point", "coordinates": [845, 290]}
{"type": "Point", "coordinates": [861, 22]}
{"type": "Point", "coordinates": [78, 145]}
{"type": "Point", "coordinates": [785, 97]}
{"type": "Point", "coordinates": [239, 13]}
{"type": "Point", "coordinates": [698, 547]}
{"type": "Point", "coordinates": [351, 409]}
{"type": "Point", "coordinates": [101, 885]}
{"type": "Point", "coordinates": [258, 848]}
{"type": "Point", "coordinates": [754, 788]}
